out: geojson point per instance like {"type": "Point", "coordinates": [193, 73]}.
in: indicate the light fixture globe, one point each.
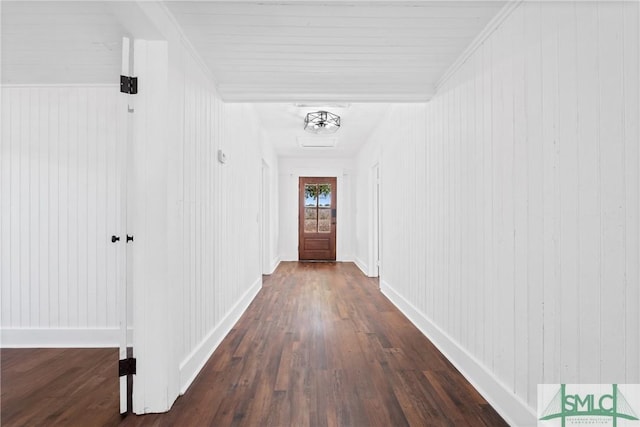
{"type": "Point", "coordinates": [322, 122]}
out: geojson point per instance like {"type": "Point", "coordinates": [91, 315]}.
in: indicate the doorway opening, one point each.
{"type": "Point", "coordinates": [265, 223]}
{"type": "Point", "coordinates": [374, 257]}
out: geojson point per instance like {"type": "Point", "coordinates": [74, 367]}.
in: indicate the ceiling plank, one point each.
{"type": "Point", "coordinates": [350, 10]}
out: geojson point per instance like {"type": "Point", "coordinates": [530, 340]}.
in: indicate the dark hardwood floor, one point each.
{"type": "Point", "coordinates": [319, 346]}
{"type": "Point", "coordinates": [59, 387]}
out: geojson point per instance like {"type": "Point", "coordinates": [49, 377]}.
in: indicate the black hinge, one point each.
{"type": "Point", "coordinates": [129, 85]}
{"type": "Point", "coordinates": [127, 366]}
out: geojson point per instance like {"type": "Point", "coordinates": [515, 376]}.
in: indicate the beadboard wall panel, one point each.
{"type": "Point", "coordinates": [59, 189]}
{"type": "Point", "coordinates": [59, 170]}
{"type": "Point", "coordinates": [218, 213]}
{"type": "Point", "coordinates": [510, 204]}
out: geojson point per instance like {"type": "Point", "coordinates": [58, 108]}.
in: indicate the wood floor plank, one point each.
{"type": "Point", "coordinates": [59, 387]}
{"type": "Point", "coordinates": [319, 346]}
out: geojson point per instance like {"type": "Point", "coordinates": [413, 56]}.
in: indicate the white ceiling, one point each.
{"type": "Point", "coordinates": [67, 42]}
{"type": "Point", "coordinates": [328, 51]}
{"type": "Point", "coordinates": [352, 58]}
{"type": "Point", "coordinates": [284, 123]}
{"type": "Point", "coordinates": [60, 42]}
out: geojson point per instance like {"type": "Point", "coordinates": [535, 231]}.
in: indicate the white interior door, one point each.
{"type": "Point", "coordinates": [156, 382]}
{"type": "Point", "coordinates": [123, 262]}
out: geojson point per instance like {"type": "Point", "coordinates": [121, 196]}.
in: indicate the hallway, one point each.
{"type": "Point", "coordinates": [319, 345]}
{"type": "Point", "coordinates": [487, 171]}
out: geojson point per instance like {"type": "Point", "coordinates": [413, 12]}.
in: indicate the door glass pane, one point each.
{"type": "Point", "coordinates": [324, 208]}
{"type": "Point", "coordinates": [310, 220]}
{"type": "Point", "coordinates": [324, 199]}
{"type": "Point", "coordinates": [324, 220]}
{"type": "Point", "coordinates": [310, 195]}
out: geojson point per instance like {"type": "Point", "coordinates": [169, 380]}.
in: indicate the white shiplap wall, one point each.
{"type": "Point", "coordinates": [59, 192]}
{"type": "Point", "coordinates": [510, 227]}
{"type": "Point", "coordinates": [217, 209]}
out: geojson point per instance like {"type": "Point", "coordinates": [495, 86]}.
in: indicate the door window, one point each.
{"type": "Point", "coordinates": [317, 208]}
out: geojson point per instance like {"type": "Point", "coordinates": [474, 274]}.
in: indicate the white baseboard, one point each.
{"type": "Point", "coordinates": [274, 264]}
{"type": "Point", "coordinates": [195, 361]}
{"type": "Point", "coordinates": [61, 337]}
{"type": "Point", "coordinates": [506, 403]}
{"type": "Point", "coordinates": [361, 265]}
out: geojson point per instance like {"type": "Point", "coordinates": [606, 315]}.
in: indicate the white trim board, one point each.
{"type": "Point", "coordinates": [361, 265]}
{"type": "Point", "coordinates": [274, 264]}
{"type": "Point", "coordinates": [61, 337]}
{"type": "Point", "coordinates": [194, 362]}
{"type": "Point", "coordinates": [505, 402]}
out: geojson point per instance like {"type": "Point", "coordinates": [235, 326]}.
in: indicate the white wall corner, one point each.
{"type": "Point", "coordinates": [504, 401]}
{"type": "Point", "coordinates": [195, 361]}
{"type": "Point", "coordinates": [493, 25]}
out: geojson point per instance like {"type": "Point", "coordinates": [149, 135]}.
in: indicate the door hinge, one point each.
{"type": "Point", "coordinates": [127, 366]}
{"type": "Point", "coordinates": [129, 85]}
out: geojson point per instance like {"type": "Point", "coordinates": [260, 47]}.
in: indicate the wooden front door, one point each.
{"type": "Point", "coordinates": [317, 219]}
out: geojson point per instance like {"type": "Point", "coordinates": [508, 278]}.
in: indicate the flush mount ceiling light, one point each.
{"type": "Point", "coordinates": [322, 122]}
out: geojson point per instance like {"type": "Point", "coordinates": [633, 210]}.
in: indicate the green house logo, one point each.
{"type": "Point", "coordinates": [589, 405]}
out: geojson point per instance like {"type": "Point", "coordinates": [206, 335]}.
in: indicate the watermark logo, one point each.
{"type": "Point", "coordinates": [576, 405]}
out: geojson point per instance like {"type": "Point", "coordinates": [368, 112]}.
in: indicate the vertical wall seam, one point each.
{"type": "Point", "coordinates": [624, 189]}
{"type": "Point", "coordinates": [599, 197]}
